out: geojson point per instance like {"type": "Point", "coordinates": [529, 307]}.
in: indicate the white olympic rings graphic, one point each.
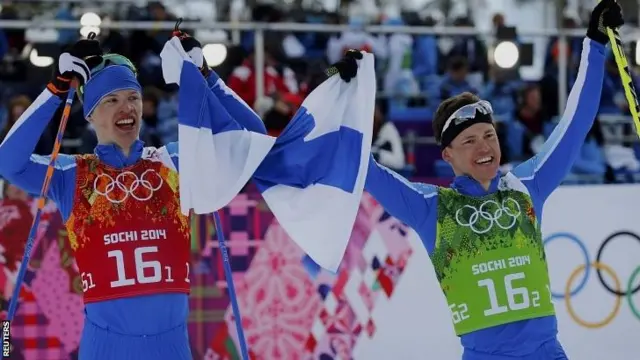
{"type": "Point", "coordinates": [130, 191]}
{"type": "Point", "coordinates": [493, 218]}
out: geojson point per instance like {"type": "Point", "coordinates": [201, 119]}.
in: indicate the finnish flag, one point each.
{"type": "Point", "coordinates": [311, 177]}
{"type": "Point", "coordinates": [314, 176]}
{"type": "Point", "coordinates": [217, 156]}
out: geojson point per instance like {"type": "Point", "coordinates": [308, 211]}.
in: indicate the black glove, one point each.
{"type": "Point", "coordinates": [193, 48]}
{"type": "Point", "coordinates": [75, 62]}
{"type": "Point", "coordinates": [607, 14]}
{"type": "Point", "coordinates": [347, 67]}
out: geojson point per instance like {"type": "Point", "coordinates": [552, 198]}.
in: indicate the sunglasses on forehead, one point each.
{"type": "Point", "coordinates": [468, 112]}
{"type": "Point", "coordinates": [108, 60]}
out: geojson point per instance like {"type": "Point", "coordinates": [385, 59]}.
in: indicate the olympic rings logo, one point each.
{"type": "Point", "coordinates": [599, 266]}
{"type": "Point", "coordinates": [128, 184]}
{"type": "Point", "coordinates": [492, 213]}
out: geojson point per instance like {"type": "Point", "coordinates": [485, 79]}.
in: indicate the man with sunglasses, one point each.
{"type": "Point", "coordinates": [121, 204]}
{"type": "Point", "coordinates": [483, 234]}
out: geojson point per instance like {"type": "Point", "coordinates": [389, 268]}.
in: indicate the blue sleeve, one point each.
{"type": "Point", "coordinates": [235, 106]}
{"type": "Point", "coordinates": [409, 202]}
{"type": "Point", "coordinates": [27, 171]}
{"type": "Point", "coordinates": [543, 173]}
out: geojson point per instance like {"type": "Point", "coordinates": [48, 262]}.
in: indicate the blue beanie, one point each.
{"type": "Point", "coordinates": [107, 81]}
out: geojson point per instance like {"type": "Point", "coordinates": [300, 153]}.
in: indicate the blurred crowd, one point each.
{"type": "Point", "coordinates": [415, 73]}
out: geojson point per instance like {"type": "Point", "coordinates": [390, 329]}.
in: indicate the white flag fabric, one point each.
{"type": "Point", "coordinates": [313, 178]}
{"type": "Point", "coordinates": [217, 157]}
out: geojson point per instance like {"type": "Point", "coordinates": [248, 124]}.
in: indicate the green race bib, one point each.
{"type": "Point", "coordinates": [489, 259]}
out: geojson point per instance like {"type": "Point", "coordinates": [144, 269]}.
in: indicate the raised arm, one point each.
{"type": "Point", "coordinates": [22, 168]}
{"type": "Point", "coordinates": [543, 173]}
{"type": "Point", "coordinates": [17, 162]}
{"type": "Point", "coordinates": [409, 202]}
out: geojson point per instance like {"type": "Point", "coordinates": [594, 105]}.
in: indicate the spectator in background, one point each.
{"type": "Point", "coordinates": [549, 82]}
{"type": "Point", "coordinates": [16, 106]}
{"type": "Point", "coordinates": [501, 91]}
{"type": "Point", "coordinates": [146, 45]}
{"type": "Point", "coordinates": [280, 113]}
{"type": "Point", "coordinates": [354, 38]}
{"type": "Point", "coordinates": [278, 79]}
{"type": "Point", "coordinates": [399, 79]}
{"type": "Point", "coordinates": [387, 146]}
{"type": "Point", "coordinates": [167, 117]}
{"type": "Point", "coordinates": [284, 47]}
{"type": "Point", "coordinates": [454, 82]}
{"type": "Point", "coordinates": [12, 64]}
{"type": "Point", "coordinates": [574, 44]}
{"type": "Point", "coordinates": [620, 157]}
{"type": "Point", "coordinates": [497, 22]}
{"type": "Point", "coordinates": [612, 99]}
{"type": "Point", "coordinates": [621, 160]}
{"type": "Point", "coordinates": [15, 37]}
{"type": "Point", "coordinates": [610, 87]}
{"type": "Point", "coordinates": [526, 136]}
{"type": "Point", "coordinates": [13, 68]}
{"type": "Point", "coordinates": [112, 40]}
{"type": "Point", "coordinates": [157, 37]}
{"type": "Point", "coordinates": [472, 48]}
{"type": "Point", "coordinates": [313, 78]}
{"type": "Point", "coordinates": [591, 160]}
{"type": "Point", "coordinates": [266, 13]}
{"type": "Point", "coordinates": [66, 36]}
{"type": "Point", "coordinates": [426, 55]}
{"type": "Point", "coordinates": [149, 131]}
{"type": "Point", "coordinates": [316, 43]}
{"type": "Point", "coordinates": [15, 223]}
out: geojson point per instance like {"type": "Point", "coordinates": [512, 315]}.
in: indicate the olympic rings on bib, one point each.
{"type": "Point", "coordinates": [617, 290]}
{"type": "Point", "coordinates": [119, 184]}
{"type": "Point", "coordinates": [567, 296]}
{"type": "Point", "coordinates": [496, 217]}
